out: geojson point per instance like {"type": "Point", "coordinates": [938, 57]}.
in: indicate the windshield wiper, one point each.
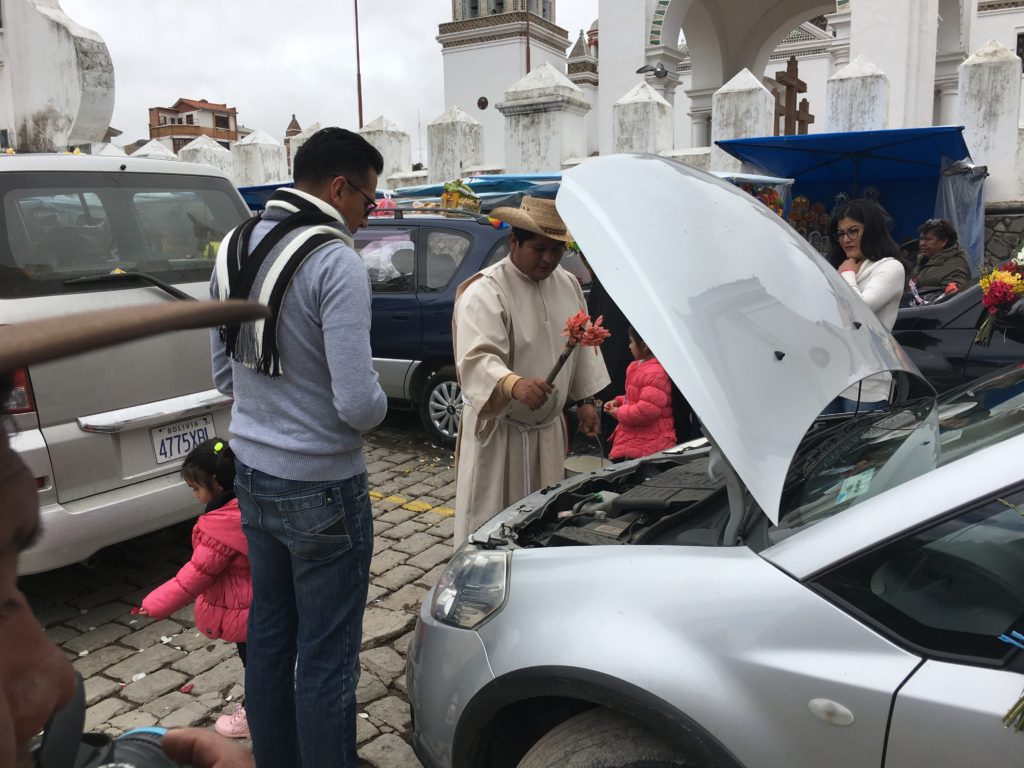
{"type": "Point", "coordinates": [113, 277]}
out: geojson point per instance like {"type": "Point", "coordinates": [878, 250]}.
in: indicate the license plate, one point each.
{"type": "Point", "coordinates": [175, 441]}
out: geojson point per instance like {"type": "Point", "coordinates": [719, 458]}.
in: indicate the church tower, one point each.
{"type": "Point", "coordinates": [488, 46]}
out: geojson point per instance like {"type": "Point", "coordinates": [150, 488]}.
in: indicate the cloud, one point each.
{"type": "Point", "coordinates": [270, 59]}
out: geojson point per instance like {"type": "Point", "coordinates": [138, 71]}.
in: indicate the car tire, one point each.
{"type": "Point", "coordinates": [441, 407]}
{"type": "Point", "coordinates": [599, 738]}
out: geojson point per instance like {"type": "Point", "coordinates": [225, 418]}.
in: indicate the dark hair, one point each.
{"type": "Point", "coordinates": [942, 229]}
{"type": "Point", "coordinates": [209, 461]}
{"type": "Point", "coordinates": [636, 336]}
{"type": "Point", "coordinates": [523, 235]}
{"type": "Point", "coordinates": [334, 152]}
{"type": "Point", "coordinates": [875, 243]}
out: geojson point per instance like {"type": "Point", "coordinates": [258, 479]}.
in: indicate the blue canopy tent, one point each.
{"type": "Point", "coordinates": [903, 165]}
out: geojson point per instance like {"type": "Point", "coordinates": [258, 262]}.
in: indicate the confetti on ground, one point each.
{"type": "Point", "coordinates": [138, 676]}
{"type": "Point", "coordinates": [186, 688]}
{"type": "Point", "coordinates": [83, 653]}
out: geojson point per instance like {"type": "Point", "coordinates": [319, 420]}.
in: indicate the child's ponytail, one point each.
{"type": "Point", "coordinates": [209, 461]}
{"type": "Point", "coordinates": [224, 464]}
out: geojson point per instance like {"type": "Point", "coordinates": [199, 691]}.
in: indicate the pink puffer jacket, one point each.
{"type": "Point", "coordinates": [645, 425]}
{"type": "Point", "coordinates": [216, 578]}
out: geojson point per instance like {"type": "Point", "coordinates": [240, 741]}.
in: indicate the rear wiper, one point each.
{"type": "Point", "coordinates": [113, 277]}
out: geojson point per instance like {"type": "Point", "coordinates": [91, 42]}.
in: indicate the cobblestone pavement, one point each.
{"type": "Point", "coordinates": [142, 672]}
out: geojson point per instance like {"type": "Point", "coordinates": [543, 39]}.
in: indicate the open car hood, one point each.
{"type": "Point", "coordinates": [756, 329]}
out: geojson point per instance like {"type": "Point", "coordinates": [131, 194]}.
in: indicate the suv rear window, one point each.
{"type": "Point", "coordinates": [59, 226]}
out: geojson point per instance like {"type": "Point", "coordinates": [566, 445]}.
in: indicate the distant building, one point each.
{"type": "Point", "coordinates": [177, 125]}
{"type": "Point", "coordinates": [486, 47]}
{"type": "Point", "coordinates": [293, 129]}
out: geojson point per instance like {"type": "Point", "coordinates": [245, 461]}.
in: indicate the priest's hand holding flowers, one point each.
{"type": "Point", "coordinates": [579, 332]}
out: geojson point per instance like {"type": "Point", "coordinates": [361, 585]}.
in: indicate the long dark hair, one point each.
{"type": "Point", "coordinates": [209, 461]}
{"type": "Point", "coordinates": [875, 243]}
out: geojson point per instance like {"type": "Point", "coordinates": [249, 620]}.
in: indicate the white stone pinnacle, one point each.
{"type": "Point", "coordinates": [642, 93]}
{"type": "Point", "coordinates": [259, 137]}
{"type": "Point", "coordinates": [743, 81]}
{"type": "Point", "coordinates": [859, 67]}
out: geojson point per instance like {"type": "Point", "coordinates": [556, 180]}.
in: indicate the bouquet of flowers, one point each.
{"type": "Point", "coordinates": [579, 332]}
{"type": "Point", "coordinates": [768, 195]}
{"type": "Point", "coordinates": [1000, 289]}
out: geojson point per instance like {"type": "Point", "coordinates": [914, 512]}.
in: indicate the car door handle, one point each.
{"type": "Point", "coordinates": [401, 316]}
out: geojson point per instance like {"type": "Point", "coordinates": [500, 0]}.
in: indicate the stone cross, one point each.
{"type": "Point", "coordinates": [795, 120]}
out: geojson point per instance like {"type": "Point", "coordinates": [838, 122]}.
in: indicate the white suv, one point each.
{"type": "Point", "coordinates": [105, 432]}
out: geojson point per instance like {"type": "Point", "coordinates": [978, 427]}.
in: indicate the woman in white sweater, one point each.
{"type": "Point", "coordinates": [868, 259]}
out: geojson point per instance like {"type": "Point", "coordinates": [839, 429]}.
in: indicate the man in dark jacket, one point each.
{"type": "Point", "coordinates": [941, 260]}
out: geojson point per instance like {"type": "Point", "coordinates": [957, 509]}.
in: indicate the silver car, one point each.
{"type": "Point", "coordinates": [793, 591]}
{"type": "Point", "coordinates": [105, 432]}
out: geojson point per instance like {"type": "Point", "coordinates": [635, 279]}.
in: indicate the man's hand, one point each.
{"type": "Point", "coordinates": [532, 393]}
{"type": "Point", "coordinates": [590, 420]}
{"type": "Point", "coordinates": [201, 748]}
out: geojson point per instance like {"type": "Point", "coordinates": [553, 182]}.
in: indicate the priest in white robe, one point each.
{"type": "Point", "coordinates": [507, 330]}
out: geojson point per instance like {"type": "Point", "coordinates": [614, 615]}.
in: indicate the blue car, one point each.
{"type": "Point", "coordinates": [416, 259]}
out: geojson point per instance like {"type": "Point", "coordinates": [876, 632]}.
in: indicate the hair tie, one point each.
{"type": "Point", "coordinates": [218, 447]}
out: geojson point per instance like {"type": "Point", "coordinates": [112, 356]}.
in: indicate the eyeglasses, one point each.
{"type": "Point", "coordinates": [371, 204]}
{"type": "Point", "coordinates": [853, 233]}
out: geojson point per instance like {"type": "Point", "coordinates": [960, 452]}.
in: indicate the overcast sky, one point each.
{"type": "Point", "coordinates": [271, 59]}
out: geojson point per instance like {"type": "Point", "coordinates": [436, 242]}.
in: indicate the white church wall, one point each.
{"type": "Point", "coordinates": [1002, 25]}
{"type": "Point", "coordinates": [901, 40]}
{"type": "Point", "coordinates": [621, 54]}
{"type": "Point", "coordinates": [814, 70]}
{"type": "Point", "coordinates": [470, 72]}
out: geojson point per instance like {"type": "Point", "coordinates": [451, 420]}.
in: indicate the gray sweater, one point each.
{"type": "Point", "coordinates": [307, 423]}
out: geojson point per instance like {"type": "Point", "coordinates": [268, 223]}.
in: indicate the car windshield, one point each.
{"type": "Point", "coordinates": [840, 466]}
{"type": "Point", "coordinates": [61, 226]}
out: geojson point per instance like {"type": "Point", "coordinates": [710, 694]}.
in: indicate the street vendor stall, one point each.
{"type": "Point", "coordinates": [903, 170]}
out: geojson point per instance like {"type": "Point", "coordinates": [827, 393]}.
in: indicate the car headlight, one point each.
{"type": "Point", "coordinates": [472, 588]}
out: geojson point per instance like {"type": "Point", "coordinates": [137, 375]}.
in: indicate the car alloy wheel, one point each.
{"type": "Point", "coordinates": [441, 409]}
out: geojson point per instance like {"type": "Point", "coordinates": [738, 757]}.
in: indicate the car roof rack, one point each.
{"type": "Point", "coordinates": [400, 211]}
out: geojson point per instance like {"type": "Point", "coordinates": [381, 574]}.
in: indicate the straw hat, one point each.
{"type": "Point", "coordinates": [537, 215]}
{"type": "Point", "coordinates": [39, 341]}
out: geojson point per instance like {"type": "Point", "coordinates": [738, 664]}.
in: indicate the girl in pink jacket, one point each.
{"type": "Point", "coordinates": [217, 576]}
{"type": "Point", "coordinates": [644, 413]}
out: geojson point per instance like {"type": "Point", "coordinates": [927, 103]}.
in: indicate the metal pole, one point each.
{"type": "Point", "coordinates": [359, 70]}
{"type": "Point", "coordinates": [527, 36]}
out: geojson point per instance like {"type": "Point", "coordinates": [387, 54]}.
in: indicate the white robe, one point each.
{"type": "Point", "coordinates": [506, 323]}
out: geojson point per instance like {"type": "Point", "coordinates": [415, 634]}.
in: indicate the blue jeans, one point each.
{"type": "Point", "coordinates": [310, 545]}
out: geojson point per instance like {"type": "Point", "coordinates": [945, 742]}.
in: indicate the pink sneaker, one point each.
{"type": "Point", "coordinates": [233, 726]}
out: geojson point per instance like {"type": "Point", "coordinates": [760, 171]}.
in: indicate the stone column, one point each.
{"type": "Point", "coordinates": [206, 151]}
{"type": "Point", "coordinates": [988, 103]}
{"type": "Point", "coordinates": [642, 121]}
{"type": "Point", "coordinates": [545, 125]}
{"type": "Point", "coordinates": [455, 142]}
{"type": "Point", "coordinates": [700, 116]}
{"type": "Point", "coordinates": [259, 158]}
{"type": "Point", "coordinates": [901, 39]}
{"type": "Point", "coordinates": [857, 98]}
{"type": "Point", "coordinates": [393, 143]}
{"type": "Point", "coordinates": [742, 108]}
